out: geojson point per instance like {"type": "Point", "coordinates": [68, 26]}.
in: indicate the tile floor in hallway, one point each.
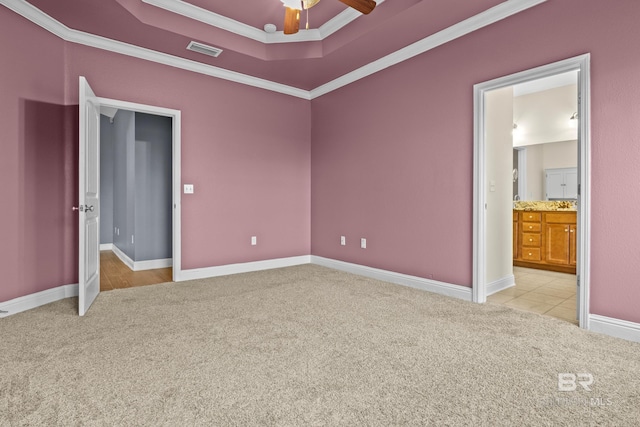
{"type": "Point", "coordinates": [540, 291]}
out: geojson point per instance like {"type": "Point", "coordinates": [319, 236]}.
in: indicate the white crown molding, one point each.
{"type": "Point", "coordinates": [219, 21]}
{"type": "Point", "coordinates": [460, 29]}
{"type": "Point", "coordinates": [456, 291]}
{"type": "Point", "coordinates": [210, 18]}
{"type": "Point", "coordinates": [38, 17]}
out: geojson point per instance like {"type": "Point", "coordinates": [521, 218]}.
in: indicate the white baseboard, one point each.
{"type": "Point", "coordinates": [246, 267]}
{"type": "Point", "coordinates": [141, 265]}
{"type": "Point", "coordinates": [501, 284]}
{"type": "Point", "coordinates": [430, 285]}
{"type": "Point", "coordinates": [123, 257]}
{"type": "Point", "coordinates": [614, 327]}
{"type": "Point", "coordinates": [152, 264]}
{"type": "Point", "coordinates": [37, 299]}
{"type": "Point", "coordinates": [601, 324]}
{"type": "Point", "coordinates": [106, 246]}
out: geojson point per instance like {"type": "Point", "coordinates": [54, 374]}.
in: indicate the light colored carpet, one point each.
{"type": "Point", "coordinates": [305, 346]}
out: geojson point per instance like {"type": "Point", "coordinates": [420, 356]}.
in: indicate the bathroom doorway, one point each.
{"type": "Point", "coordinates": [487, 185]}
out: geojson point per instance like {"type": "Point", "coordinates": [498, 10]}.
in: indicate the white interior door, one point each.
{"type": "Point", "coordinates": [89, 208]}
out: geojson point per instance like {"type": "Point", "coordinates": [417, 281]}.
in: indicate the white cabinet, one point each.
{"type": "Point", "coordinates": [561, 183]}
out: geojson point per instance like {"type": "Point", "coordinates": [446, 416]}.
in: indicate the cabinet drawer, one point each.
{"type": "Point", "coordinates": [531, 216]}
{"type": "Point", "coordinates": [533, 227]}
{"type": "Point", "coordinates": [531, 254]}
{"type": "Point", "coordinates": [561, 217]}
{"type": "Point", "coordinates": [531, 240]}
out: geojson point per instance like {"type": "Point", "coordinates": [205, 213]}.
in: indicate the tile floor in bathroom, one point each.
{"type": "Point", "coordinates": [540, 291]}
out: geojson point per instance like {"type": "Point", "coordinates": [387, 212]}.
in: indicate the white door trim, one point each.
{"type": "Point", "coordinates": [176, 180]}
{"type": "Point", "coordinates": [582, 64]}
{"type": "Point", "coordinates": [522, 172]}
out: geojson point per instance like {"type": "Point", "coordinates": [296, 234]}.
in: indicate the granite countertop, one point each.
{"type": "Point", "coordinates": [535, 205]}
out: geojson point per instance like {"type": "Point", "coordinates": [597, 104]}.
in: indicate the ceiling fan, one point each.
{"type": "Point", "coordinates": [293, 8]}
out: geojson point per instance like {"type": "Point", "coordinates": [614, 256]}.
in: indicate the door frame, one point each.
{"type": "Point", "coordinates": [176, 220]}
{"type": "Point", "coordinates": [581, 64]}
{"type": "Point", "coordinates": [522, 171]}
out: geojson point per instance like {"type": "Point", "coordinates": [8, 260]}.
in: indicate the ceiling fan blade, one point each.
{"type": "Point", "coordinates": [362, 6]}
{"type": "Point", "coordinates": [291, 20]}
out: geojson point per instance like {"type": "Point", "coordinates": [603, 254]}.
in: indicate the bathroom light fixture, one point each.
{"type": "Point", "coordinates": [515, 132]}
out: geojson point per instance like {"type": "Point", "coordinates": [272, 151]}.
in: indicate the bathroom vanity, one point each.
{"type": "Point", "coordinates": [545, 239]}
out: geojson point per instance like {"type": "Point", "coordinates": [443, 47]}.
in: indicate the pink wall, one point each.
{"type": "Point", "coordinates": [246, 150]}
{"type": "Point", "coordinates": [392, 154]}
{"type": "Point", "coordinates": [36, 222]}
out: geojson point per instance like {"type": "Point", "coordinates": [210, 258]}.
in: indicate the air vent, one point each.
{"type": "Point", "coordinates": [204, 49]}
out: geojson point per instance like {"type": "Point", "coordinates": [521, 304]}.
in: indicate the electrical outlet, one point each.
{"type": "Point", "coordinates": [254, 240]}
{"type": "Point", "coordinates": [343, 240]}
{"type": "Point", "coordinates": [188, 189]}
{"type": "Point", "coordinates": [363, 243]}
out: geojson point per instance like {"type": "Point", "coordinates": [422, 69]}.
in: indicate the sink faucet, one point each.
{"type": "Point", "coordinates": [516, 198]}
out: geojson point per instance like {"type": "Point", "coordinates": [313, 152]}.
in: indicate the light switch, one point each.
{"type": "Point", "coordinates": [188, 189]}
{"type": "Point", "coordinates": [254, 240]}
{"type": "Point", "coordinates": [363, 243]}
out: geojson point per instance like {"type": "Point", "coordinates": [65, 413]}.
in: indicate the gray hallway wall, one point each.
{"type": "Point", "coordinates": [153, 167]}
{"type": "Point", "coordinates": [136, 175]}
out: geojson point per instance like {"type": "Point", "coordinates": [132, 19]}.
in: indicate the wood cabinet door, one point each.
{"type": "Point", "coordinates": [557, 243]}
{"type": "Point", "coordinates": [572, 244]}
